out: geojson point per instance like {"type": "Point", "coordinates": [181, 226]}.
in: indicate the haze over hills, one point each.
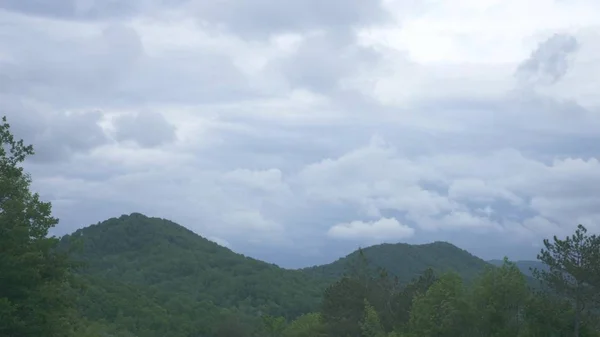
{"type": "Point", "coordinates": [151, 274]}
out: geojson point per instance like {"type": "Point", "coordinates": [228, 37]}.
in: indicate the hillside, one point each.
{"type": "Point", "coordinates": [408, 261]}
{"type": "Point", "coordinates": [152, 275]}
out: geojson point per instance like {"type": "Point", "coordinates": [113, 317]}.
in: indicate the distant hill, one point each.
{"type": "Point", "coordinates": [525, 266]}
{"type": "Point", "coordinates": [150, 274]}
{"type": "Point", "coordinates": [408, 261]}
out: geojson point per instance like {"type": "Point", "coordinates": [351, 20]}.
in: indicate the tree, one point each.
{"type": "Point", "coordinates": [307, 325]}
{"type": "Point", "coordinates": [499, 298]}
{"type": "Point", "coordinates": [33, 273]}
{"type": "Point", "coordinates": [403, 300]}
{"type": "Point", "coordinates": [343, 307]}
{"type": "Point", "coordinates": [371, 325]}
{"type": "Point", "coordinates": [442, 311]}
{"type": "Point", "coordinates": [571, 270]}
{"type": "Point", "coordinates": [273, 326]}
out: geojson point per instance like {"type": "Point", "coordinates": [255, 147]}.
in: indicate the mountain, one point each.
{"type": "Point", "coordinates": [525, 266]}
{"type": "Point", "coordinates": [150, 277]}
{"type": "Point", "coordinates": [408, 261]}
{"type": "Point", "coordinates": [157, 278]}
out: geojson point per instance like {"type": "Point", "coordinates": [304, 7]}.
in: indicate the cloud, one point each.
{"type": "Point", "coordinates": [56, 135]}
{"type": "Point", "coordinates": [147, 129]}
{"type": "Point", "coordinates": [550, 61]}
{"type": "Point", "coordinates": [384, 230]}
{"type": "Point", "coordinates": [265, 17]}
{"type": "Point", "coordinates": [268, 123]}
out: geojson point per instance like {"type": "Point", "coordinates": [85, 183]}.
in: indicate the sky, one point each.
{"type": "Point", "coordinates": [296, 131]}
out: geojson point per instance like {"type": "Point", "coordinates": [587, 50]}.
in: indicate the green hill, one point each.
{"type": "Point", "coordinates": [408, 261]}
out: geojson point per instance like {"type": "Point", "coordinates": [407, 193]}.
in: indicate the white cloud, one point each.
{"type": "Point", "coordinates": [382, 230]}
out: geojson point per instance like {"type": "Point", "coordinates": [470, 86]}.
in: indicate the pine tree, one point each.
{"type": "Point", "coordinates": [572, 263]}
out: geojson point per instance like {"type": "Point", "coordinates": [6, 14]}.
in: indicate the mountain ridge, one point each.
{"type": "Point", "coordinates": [151, 274]}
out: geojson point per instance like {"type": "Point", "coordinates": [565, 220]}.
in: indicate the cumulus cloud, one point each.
{"type": "Point", "coordinates": [382, 230]}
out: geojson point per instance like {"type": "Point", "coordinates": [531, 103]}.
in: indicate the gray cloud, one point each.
{"type": "Point", "coordinates": [67, 71]}
{"type": "Point", "coordinates": [56, 135]}
{"type": "Point", "coordinates": [76, 9]}
{"type": "Point", "coordinates": [322, 60]}
{"type": "Point", "coordinates": [261, 18]}
{"type": "Point", "coordinates": [148, 129]}
{"type": "Point", "coordinates": [549, 62]}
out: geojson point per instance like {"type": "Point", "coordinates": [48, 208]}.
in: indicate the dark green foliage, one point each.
{"type": "Point", "coordinates": [343, 307]}
{"type": "Point", "coordinates": [403, 300]}
{"type": "Point", "coordinates": [499, 297]}
{"type": "Point", "coordinates": [443, 310]}
{"type": "Point", "coordinates": [34, 276]}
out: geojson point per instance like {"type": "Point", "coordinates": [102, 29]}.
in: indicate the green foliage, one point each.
{"type": "Point", "coordinates": [443, 310]}
{"type": "Point", "coordinates": [33, 274]}
{"type": "Point", "coordinates": [273, 326]}
{"type": "Point", "coordinates": [499, 297]}
{"type": "Point", "coordinates": [371, 325]}
{"type": "Point", "coordinates": [343, 307]}
{"type": "Point", "coordinates": [307, 325]}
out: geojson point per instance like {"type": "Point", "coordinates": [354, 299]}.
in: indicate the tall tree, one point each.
{"type": "Point", "coordinates": [343, 307]}
{"type": "Point", "coordinates": [572, 263]}
{"type": "Point", "coordinates": [499, 298]}
{"type": "Point", "coordinates": [33, 273]}
{"type": "Point", "coordinates": [443, 311]}
{"type": "Point", "coordinates": [403, 300]}
{"type": "Point", "coordinates": [371, 325]}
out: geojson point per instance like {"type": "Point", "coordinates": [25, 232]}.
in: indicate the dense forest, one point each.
{"type": "Point", "coordinates": [149, 277]}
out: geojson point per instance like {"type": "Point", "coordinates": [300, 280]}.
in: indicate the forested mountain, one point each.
{"type": "Point", "coordinates": [152, 274]}
{"type": "Point", "coordinates": [525, 266]}
{"type": "Point", "coordinates": [408, 261]}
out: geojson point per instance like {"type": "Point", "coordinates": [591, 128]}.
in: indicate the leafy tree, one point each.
{"type": "Point", "coordinates": [499, 297]}
{"type": "Point", "coordinates": [403, 300]}
{"type": "Point", "coordinates": [572, 263]}
{"type": "Point", "coordinates": [273, 326]}
{"type": "Point", "coordinates": [33, 273]}
{"type": "Point", "coordinates": [371, 325]}
{"type": "Point", "coordinates": [443, 311]}
{"type": "Point", "coordinates": [307, 325]}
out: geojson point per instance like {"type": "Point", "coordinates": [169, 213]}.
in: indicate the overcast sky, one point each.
{"type": "Point", "coordinates": [295, 131]}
